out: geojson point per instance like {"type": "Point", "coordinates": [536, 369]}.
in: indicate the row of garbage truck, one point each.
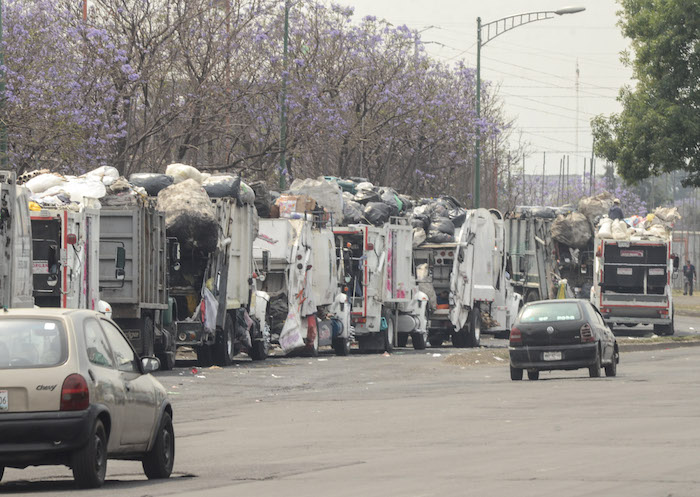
{"type": "Point", "coordinates": [185, 259]}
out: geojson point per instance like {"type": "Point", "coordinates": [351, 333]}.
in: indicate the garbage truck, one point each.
{"type": "Point", "coordinates": [66, 256]}
{"type": "Point", "coordinates": [296, 262]}
{"type": "Point", "coordinates": [377, 273]}
{"type": "Point", "coordinates": [632, 281]}
{"type": "Point", "coordinates": [15, 244]}
{"type": "Point", "coordinates": [134, 256]}
{"type": "Point", "coordinates": [468, 281]}
{"type": "Point", "coordinates": [217, 308]}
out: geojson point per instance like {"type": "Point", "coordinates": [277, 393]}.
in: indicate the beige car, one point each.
{"type": "Point", "coordinates": [74, 392]}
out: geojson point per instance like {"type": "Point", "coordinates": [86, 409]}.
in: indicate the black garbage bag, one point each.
{"type": "Point", "coordinates": [439, 237]}
{"type": "Point", "coordinates": [223, 186]}
{"type": "Point", "coordinates": [153, 183]}
{"type": "Point", "coordinates": [407, 203]}
{"type": "Point", "coordinates": [377, 213]}
{"type": "Point", "coordinates": [450, 202]}
{"type": "Point", "coordinates": [365, 197]}
{"type": "Point", "coordinates": [263, 200]}
{"type": "Point", "coordinates": [391, 198]}
{"type": "Point", "coordinates": [438, 210]}
{"type": "Point", "coordinates": [457, 216]}
{"type": "Point", "coordinates": [443, 225]}
{"type": "Point", "coordinates": [420, 221]}
{"type": "Point", "coordinates": [352, 212]}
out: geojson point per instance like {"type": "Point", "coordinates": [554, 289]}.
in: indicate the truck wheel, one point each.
{"type": "Point", "coordinates": [147, 337]}
{"type": "Point", "coordinates": [258, 352]}
{"type": "Point", "coordinates": [341, 346]}
{"type": "Point", "coordinates": [531, 296]}
{"type": "Point", "coordinates": [402, 340]}
{"type": "Point", "coordinates": [388, 334]}
{"type": "Point", "coordinates": [474, 335]}
{"type": "Point", "coordinates": [418, 340]}
{"type": "Point", "coordinates": [459, 338]}
{"type": "Point", "coordinates": [204, 355]}
{"type": "Point", "coordinates": [224, 349]}
{"type": "Point", "coordinates": [89, 463]}
{"type": "Point", "coordinates": [167, 360]}
{"type": "Point", "coordinates": [435, 341]}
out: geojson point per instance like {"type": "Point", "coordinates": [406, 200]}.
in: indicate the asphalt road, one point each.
{"type": "Point", "coordinates": [412, 424]}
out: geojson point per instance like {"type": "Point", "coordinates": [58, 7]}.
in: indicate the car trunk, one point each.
{"type": "Point", "coordinates": [551, 333]}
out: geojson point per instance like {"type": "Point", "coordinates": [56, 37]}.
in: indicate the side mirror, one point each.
{"type": "Point", "coordinates": [174, 255]}
{"type": "Point", "coordinates": [149, 364]}
{"type": "Point", "coordinates": [676, 263]}
{"type": "Point", "coordinates": [121, 264]}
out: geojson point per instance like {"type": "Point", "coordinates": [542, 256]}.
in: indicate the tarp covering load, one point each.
{"type": "Point", "coordinates": [327, 194]}
{"type": "Point", "coordinates": [189, 216]}
{"type": "Point", "coordinates": [596, 207]}
{"type": "Point", "coordinates": [573, 230]}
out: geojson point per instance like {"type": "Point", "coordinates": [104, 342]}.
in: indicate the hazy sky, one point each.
{"type": "Point", "coordinates": [534, 64]}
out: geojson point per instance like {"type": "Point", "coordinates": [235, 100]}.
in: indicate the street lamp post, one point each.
{"type": "Point", "coordinates": [493, 29]}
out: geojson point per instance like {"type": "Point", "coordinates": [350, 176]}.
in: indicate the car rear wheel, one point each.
{"type": "Point", "coordinates": [89, 463]}
{"type": "Point", "coordinates": [594, 370]}
{"type": "Point", "coordinates": [516, 373]}
{"type": "Point", "coordinates": [611, 369]}
{"type": "Point", "coordinates": [533, 375]}
{"type": "Point", "coordinates": [158, 462]}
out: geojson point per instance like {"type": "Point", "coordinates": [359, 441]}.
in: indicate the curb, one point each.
{"type": "Point", "coordinates": [640, 347]}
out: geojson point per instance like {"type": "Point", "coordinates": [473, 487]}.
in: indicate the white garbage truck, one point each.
{"type": "Point", "coordinates": [296, 262]}
{"type": "Point", "coordinates": [15, 244]}
{"type": "Point", "coordinates": [135, 283]}
{"type": "Point", "coordinates": [217, 308]}
{"type": "Point", "coordinates": [632, 281]}
{"type": "Point", "coordinates": [66, 256]}
{"type": "Point", "coordinates": [481, 297]}
{"type": "Point", "coordinates": [378, 275]}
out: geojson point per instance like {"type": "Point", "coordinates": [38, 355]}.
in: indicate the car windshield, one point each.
{"type": "Point", "coordinates": [31, 343]}
{"type": "Point", "coordinates": [551, 311]}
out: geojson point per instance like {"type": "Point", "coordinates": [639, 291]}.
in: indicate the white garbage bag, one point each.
{"type": "Point", "coordinates": [290, 336]}
{"type": "Point", "coordinates": [182, 172]}
{"type": "Point", "coordinates": [41, 183]}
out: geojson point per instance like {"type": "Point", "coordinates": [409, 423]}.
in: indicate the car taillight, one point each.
{"type": "Point", "coordinates": [75, 395]}
{"type": "Point", "coordinates": [586, 333]}
{"type": "Point", "coordinates": [516, 337]}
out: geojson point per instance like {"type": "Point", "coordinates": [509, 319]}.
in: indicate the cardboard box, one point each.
{"type": "Point", "coordinates": [290, 204]}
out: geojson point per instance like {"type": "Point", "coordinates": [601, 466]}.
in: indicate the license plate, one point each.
{"type": "Point", "coordinates": [4, 401]}
{"type": "Point", "coordinates": [552, 356]}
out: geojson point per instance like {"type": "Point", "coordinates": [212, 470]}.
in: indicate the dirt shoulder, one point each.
{"type": "Point", "coordinates": [686, 305]}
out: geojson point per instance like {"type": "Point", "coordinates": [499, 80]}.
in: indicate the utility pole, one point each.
{"type": "Point", "coordinates": [544, 161]}
{"type": "Point", "coordinates": [283, 99]}
{"type": "Point", "coordinates": [3, 123]}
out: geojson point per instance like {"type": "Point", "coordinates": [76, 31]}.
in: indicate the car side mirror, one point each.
{"type": "Point", "coordinates": [149, 364]}
{"type": "Point", "coordinates": [120, 264]}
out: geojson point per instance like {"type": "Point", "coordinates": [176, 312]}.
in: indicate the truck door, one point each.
{"type": "Point", "coordinates": [46, 249]}
{"type": "Point", "coordinates": [399, 282]}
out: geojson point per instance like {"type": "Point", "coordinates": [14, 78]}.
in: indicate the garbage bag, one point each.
{"type": "Point", "coordinates": [439, 237]}
{"type": "Point", "coordinates": [153, 183]}
{"type": "Point", "coordinates": [572, 230]}
{"type": "Point", "coordinates": [352, 212]}
{"type": "Point", "coordinates": [290, 336]}
{"type": "Point", "coordinates": [247, 195]}
{"type": "Point", "coordinates": [223, 185]}
{"type": "Point", "coordinates": [419, 221]}
{"type": "Point", "coordinates": [327, 194]}
{"type": "Point", "coordinates": [596, 207]}
{"type": "Point", "coordinates": [605, 228]}
{"type": "Point", "coordinates": [263, 199]}
{"type": "Point", "coordinates": [407, 203]}
{"type": "Point", "coordinates": [667, 215]}
{"type": "Point", "coordinates": [619, 230]}
{"type": "Point", "coordinates": [377, 213]}
{"type": "Point", "coordinates": [391, 198]}
{"type": "Point", "coordinates": [190, 216]}
{"type": "Point", "coordinates": [106, 174]}
{"type": "Point", "coordinates": [182, 172]}
{"type": "Point", "coordinates": [419, 237]}
{"type": "Point", "coordinates": [41, 183]}
{"type": "Point", "coordinates": [365, 197]}
{"type": "Point", "coordinates": [81, 188]}
{"type": "Point", "coordinates": [457, 216]}
{"type": "Point", "coordinates": [443, 225]}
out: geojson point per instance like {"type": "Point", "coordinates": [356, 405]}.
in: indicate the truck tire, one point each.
{"type": "Point", "coordinates": [341, 346]}
{"type": "Point", "coordinates": [418, 340]}
{"type": "Point", "coordinates": [402, 340]}
{"type": "Point", "coordinates": [258, 352]}
{"type": "Point", "coordinates": [388, 333]}
{"type": "Point", "coordinates": [167, 360]}
{"type": "Point", "coordinates": [435, 341]}
{"type": "Point", "coordinates": [531, 296]}
{"type": "Point", "coordinates": [148, 337]}
{"type": "Point", "coordinates": [474, 333]}
{"type": "Point", "coordinates": [460, 339]}
{"type": "Point", "coordinates": [204, 355]}
{"type": "Point", "coordinates": [224, 350]}
{"type": "Point", "coordinates": [665, 329]}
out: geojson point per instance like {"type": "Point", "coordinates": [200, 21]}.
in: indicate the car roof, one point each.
{"type": "Point", "coordinates": [557, 301]}
{"type": "Point", "coordinates": [43, 312]}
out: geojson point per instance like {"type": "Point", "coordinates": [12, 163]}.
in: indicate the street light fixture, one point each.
{"type": "Point", "coordinates": [494, 29]}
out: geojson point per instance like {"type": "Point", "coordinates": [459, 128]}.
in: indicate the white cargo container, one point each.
{"type": "Point", "coordinates": [377, 273]}
{"type": "Point", "coordinates": [15, 244]}
{"type": "Point", "coordinates": [297, 264]}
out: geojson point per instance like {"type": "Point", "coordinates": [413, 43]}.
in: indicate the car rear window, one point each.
{"type": "Point", "coordinates": [31, 343]}
{"type": "Point", "coordinates": [551, 311]}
